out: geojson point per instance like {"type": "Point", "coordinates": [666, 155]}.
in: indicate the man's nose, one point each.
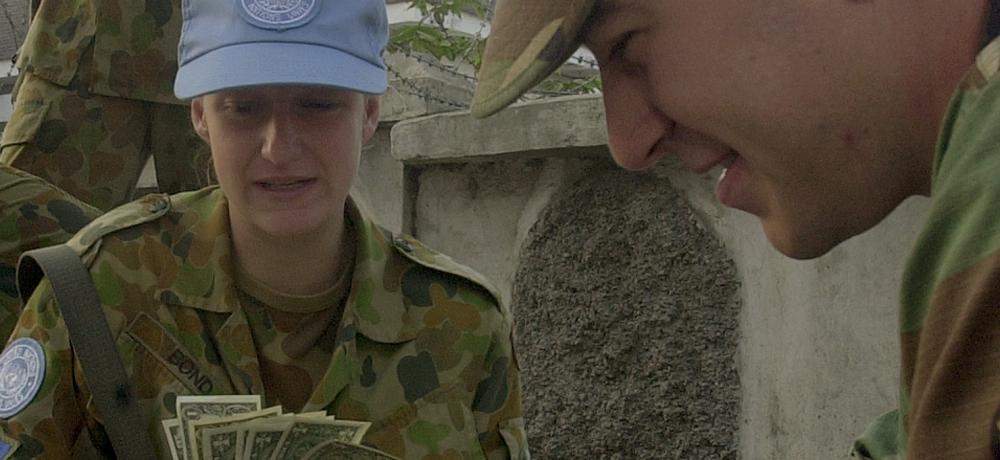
{"type": "Point", "coordinates": [635, 125]}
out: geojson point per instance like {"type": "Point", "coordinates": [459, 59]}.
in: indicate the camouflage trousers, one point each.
{"type": "Point", "coordinates": [95, 146]}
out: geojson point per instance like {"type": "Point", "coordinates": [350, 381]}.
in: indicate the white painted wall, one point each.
{"type": "Point", "coordinates": [6, 68]}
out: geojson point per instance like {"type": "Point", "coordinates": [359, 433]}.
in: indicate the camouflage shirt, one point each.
{"type": "Point", "coordinates": [122, 48]}
{"type": "Point", "coordinates": [33, 214]}
{"type": "Point", "coordinates": [423, 349]}
{"type": "Point", "coordinates": [950, 314]}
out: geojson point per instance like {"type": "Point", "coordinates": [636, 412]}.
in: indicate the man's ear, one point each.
{"type": "Point", "coordinates": [371, 116]}
{"type": "Point", "coordinates": [198, 118]}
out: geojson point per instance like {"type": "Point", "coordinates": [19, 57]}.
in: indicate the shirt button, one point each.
{"type": "Point", "coordinates": [157, 205]}
{"type": "Point", "coordinates": [403, 245]}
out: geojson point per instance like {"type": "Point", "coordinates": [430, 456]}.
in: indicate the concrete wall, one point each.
{"type": "Point", "coordinates": [627, 317]}
{"type": "Point", "coordinates": [815, 345]}
{"type": "Point", "coordinates": [819, 356]}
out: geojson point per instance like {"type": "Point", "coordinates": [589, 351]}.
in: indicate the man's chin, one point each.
{"type": "Point", "coordinates": [799, 244]}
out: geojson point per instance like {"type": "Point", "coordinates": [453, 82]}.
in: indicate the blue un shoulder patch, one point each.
{"type": "Point", "coordinates": [279, 14]}
{"type": "Point", "coordinates": [22, 370]}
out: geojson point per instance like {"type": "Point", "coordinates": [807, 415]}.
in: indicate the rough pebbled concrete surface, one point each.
{"type": "Point", "coordinates": [627, 326]}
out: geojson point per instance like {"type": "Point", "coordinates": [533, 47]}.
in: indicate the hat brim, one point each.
{"type": "Point", "coordinates": [529, 40]}
{"type": "Point", "coordinates": [244, 65]}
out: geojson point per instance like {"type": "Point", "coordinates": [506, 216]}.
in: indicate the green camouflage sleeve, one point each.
{"type": "Point", "coordinates": [33, 214]}
{"type": "Point", "coordinates": [40, 407]}
{"type": "Point", "coordinates": [497, 403]}
{"type": "Point", "coordinates": [57, 38]}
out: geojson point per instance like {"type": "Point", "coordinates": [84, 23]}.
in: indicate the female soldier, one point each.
{"type": "Point", "coordinates": [274, 283]}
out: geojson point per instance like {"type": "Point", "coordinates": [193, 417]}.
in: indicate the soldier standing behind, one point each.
{"type": "Point", "coordinates": [94, 99]}
{"type": "Point", "coordinates": [274, 283]}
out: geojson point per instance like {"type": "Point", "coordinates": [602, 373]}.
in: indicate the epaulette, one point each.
{"type": "Point", "coordinates": [421, 254]}
{"type": "Point", "coordinates": [145, 209]}
{"type": "Point", "coordinates": [988, 59]}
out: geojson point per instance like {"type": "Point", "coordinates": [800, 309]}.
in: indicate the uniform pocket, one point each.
{"type": "Point", "coordinates": [30, 110]}
{"type": "Point", "coordinates": [514, 436]}
{"type": "Point", "coordinates": [440, 423]}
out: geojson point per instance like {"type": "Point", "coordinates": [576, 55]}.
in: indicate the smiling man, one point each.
{"type": "Point", "coordinates": [824, 116]}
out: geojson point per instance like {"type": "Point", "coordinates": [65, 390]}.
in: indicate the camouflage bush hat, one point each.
{"type": "Point", "coordinates": [236, 43]}
{"type": "Point", "coordinates": [529, 40]}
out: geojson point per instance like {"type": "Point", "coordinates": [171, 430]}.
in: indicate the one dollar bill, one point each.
{"type": "Point", "coordinates": [192, 408]}
{"type": "Point", "coordinates": [307, 433]}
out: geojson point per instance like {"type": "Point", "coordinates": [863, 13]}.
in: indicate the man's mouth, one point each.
{"type": "Point", "coordinates": [726, 163]}
{"type": "Point", "coordinates": [729, 159]}
{"type": "Point", "coordinates": [702, 164]}
{"type": "Point", "coordinates": [700, 152]}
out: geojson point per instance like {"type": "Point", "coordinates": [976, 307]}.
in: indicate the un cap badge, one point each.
{"type": "Point", "coordinates": [22, 370]}
{"type": "Point", "coordinates": [279, 14]}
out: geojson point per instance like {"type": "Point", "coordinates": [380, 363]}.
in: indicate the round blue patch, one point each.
{"type": "Point", "coordinates": [279, 14]}
{"type": "Point", "coordinates": [22, 370]}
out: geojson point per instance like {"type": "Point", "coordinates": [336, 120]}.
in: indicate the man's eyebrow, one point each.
{"type": "Point", "coordinates": [606, 11]}
{"type": "Point", "coordinates": [601, 13]}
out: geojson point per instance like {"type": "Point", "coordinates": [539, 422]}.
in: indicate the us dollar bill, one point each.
{"type": "Point", "coordinates": [172, 428]}
{"type": "Point", "coordinates": [262, 437]}
{"type": "Point", "coordinates": [221, 443]}
{"type": "Point", "coordinates": [192, 408]}
{"type": "Point", "coordinates": [198, 427]}
{"type": "Point", "coordinates": [337, 450]}
{"type": "Point", "coordinates": [307, 433]}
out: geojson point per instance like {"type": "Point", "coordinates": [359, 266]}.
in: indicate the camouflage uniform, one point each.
{"type": "Point", "coordinates": [95, 99]}
{"type": "Point", "coordinates": [33, 214]}
{"type": "Point", "coordinates": [949, 321]}
{"type": "Point", "coordinates": [423, 349]}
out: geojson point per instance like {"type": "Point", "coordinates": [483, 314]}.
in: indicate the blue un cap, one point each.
{"type": "Point", "coordinates": [236, 43]}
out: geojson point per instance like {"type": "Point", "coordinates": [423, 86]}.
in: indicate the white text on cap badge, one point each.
{"type": "Point", "coordinates": [279, 14]}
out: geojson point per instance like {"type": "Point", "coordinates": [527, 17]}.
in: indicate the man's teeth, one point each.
{"type": "Point", "coordinates": [726, 163]}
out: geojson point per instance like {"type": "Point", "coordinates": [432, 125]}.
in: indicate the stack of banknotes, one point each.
{"type": "Point", "coordinates": [235, 427]}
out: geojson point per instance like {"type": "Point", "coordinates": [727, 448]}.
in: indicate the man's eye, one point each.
{"type": "Point", "coordinates": [620, 46]}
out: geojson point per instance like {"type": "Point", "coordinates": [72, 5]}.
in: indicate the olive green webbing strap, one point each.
{"type": "Point", "coordinates": [91, 338]}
